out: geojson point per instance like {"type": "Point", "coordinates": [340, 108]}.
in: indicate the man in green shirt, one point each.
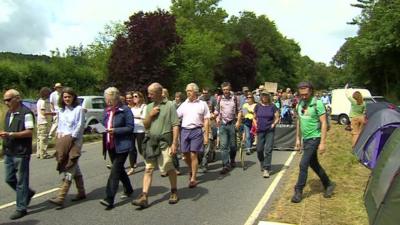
{"type": "Point", "coordinates": [312, 128]}
{"type": "Point", "coordinates": [161, 120]}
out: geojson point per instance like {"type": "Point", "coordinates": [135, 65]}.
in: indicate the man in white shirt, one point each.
{"type": "Point", "coordinates": [195, 115]}
{"type": "Point", "coordinates": [54, 98]}
{"type": "Point", "coordinates": [43, 122]}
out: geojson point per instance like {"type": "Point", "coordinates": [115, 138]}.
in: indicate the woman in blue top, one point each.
{"type": "Point", "coordinates": [266, 118]}
{"type": "Point", "coordinates": [117, 141]}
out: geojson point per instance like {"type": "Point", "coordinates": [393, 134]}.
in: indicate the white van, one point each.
{"type": "Point", "coordinates": [341, 105]}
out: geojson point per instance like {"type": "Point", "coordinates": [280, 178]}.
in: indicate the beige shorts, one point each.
{"type": "Point", "coordinates": [163, 161]}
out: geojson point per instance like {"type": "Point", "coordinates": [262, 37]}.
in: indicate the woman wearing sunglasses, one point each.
{"type": "Point", "coordinates": [248, 109]}
{"type": "Point", "coordinates": [139, 113]}
{"type": "Point", "coordinates": [266, 118]}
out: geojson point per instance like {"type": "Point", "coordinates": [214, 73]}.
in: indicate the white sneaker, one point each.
{"type": "Point", "coordinates": [266, 174]}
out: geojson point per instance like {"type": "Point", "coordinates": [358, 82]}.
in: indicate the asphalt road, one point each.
{"type": "Point", "coordinates": [217, 200]}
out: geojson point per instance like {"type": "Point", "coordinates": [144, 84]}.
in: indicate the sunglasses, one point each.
{"type": "Point", "coordinates": [303, 109]}
{"type": "Point", "coordinates": [249, 96]}
{"type": "Point", "coordinates": [8, 99]}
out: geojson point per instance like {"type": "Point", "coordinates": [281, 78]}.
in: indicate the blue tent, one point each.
{"type": "Point", "coordinates": [381, 123]}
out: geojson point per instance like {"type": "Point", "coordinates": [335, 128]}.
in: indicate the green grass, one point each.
{"type": "Point", "coordinates": [345, 207]}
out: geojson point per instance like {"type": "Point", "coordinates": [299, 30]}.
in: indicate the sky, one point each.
{"type": "Point", "coordinates": [39, 26]}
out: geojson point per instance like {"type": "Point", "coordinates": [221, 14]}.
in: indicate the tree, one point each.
{"type": "Point", "coordinates": [200, 24]}
{"type": "Point", "coordinates": [241, 68]}
{"type": "Point", "coordinates": [139, 57]}
{"type": "Point", "coordinates": [278, 56]}
{"type": "Point", "coordinates": [372, 56]}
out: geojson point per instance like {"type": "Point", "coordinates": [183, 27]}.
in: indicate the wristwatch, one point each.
{"type": "Point", "coordinates": [10, 134]}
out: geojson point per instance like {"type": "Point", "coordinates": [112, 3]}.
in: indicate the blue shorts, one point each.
{"type": "Point", "coordinates": [192, 140]}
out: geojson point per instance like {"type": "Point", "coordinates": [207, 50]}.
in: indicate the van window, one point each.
{"type": "Point", "coordinates": [98, 103]}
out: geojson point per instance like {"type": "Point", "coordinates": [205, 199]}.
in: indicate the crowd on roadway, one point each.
{"type": "Point", "coordinates": [161, 131]}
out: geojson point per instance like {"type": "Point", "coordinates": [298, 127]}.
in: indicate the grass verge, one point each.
{"type": "Point", "coordinates": [345, 207]}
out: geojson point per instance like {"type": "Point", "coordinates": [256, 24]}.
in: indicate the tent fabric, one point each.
{"type": "Point", "coordinates": [374, 135]}
{"type": "Point", "coordinates": [372, 108]}
{"type": "Point", "coordinates": [382, 196]}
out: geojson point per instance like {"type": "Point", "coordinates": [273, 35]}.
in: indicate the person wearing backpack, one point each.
{"type": "Point", "coordinates": [312, 128]}
{"type": "Point", "coordinates": [228, 114]}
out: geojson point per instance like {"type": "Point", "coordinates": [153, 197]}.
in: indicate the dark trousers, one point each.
{"type": "Point", "coordinates": [310, 158]}
{"type": "Point", "coordinates": [137, 146]}
{"type": "Point", "coordinates": [265, 144]}
{"type": "Point", "coordinates": [117, 174]}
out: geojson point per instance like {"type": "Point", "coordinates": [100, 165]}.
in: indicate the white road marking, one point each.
{"type": "Point", "coordinates": [256, 212]}
{"type": "Point", "coordinates": [44, 192]}
{"type": "Point", "coordinates": [36, 196]}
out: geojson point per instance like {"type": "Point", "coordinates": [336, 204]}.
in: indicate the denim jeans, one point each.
{"type": "Point", "coordinates": [17, 176]}
{"type": "Point", "coordinates": [265, 144]}
{"type": "Point", "coordinates": [310, 158]}
{"type": "Point", "coordinates": [247, 136]}
{"type": "Point", "coordinates": [117, 174]}
{"type": "Point", "coordinates": [227, 137]}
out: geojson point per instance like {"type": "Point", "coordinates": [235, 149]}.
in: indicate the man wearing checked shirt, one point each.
{"type": "Point", "coordinates": [228, 114]}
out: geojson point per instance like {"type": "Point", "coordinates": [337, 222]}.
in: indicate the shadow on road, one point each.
{"type": "Point", "coordinates": [276, 168]}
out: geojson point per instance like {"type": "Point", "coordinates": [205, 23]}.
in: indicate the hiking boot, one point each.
{"type": "Point", "coordinates": [329, 190]}
{"type": "Point", "coordinates": [62, 192]}
{"type": "Point", "coordinates": [173, 198]}
{"type": "Point", "coordinates": [266, 174]}
{"type": "Point", "coordinates": [141, 201]}
{"type": "Point", "coordinates": [224, 170]}
{"type": "Point", "coordinates": [18, 214]}
{"type": "Point", "coordinates": [297, 197]}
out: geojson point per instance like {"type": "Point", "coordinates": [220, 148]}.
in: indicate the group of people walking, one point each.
{"type": "Point", "coordinates": [158, 131]}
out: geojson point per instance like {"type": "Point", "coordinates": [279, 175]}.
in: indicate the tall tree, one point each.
{"type": "Point", "coordinates": [201, 25]}
{"type": "Point", "coordinates": [372, 56]}
{"type": "Point", "coordinates": [140, 57]}
{"type": "Point", "coordinates": [241, 68]}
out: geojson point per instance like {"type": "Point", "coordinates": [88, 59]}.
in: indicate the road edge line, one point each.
{"type": "Point", "coordinates": [35, 196]}
{"type": "Point", "coordinates": [267, 195]}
